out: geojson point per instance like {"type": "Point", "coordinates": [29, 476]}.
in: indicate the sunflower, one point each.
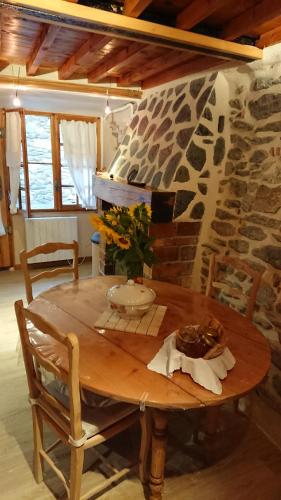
{"type": "Point", "coordinates": [96, 221]}
{"type": "Point", "coordinates": [111, 218]}
{"type": "Point", "coordinates": [123, 242]}
{"type": "Point", "coordinates": [148, 210]}
{"type": "Point", "coordinates": [132, 209]}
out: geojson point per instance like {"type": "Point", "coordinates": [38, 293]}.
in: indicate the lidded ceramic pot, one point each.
{"type": "Point", "coordinates": [131, 300]}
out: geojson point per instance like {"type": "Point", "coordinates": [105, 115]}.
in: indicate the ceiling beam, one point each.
{"type": "Point", "coordinates": [196, 11]}
{"type": "Point", "coordinates": [134, 8]}
{"type": "Point", "coordinates": [92, 45]}
{"type": "Point", "coordinates": [261, 13]}
{"type": "Point", "coordinates": [44, 42]}
{"type": "Point", "coordinates": [3, 64]}
{"type": "Point", "coordinates": [36, 83]}
{"type": "Point", "coordinates": [115, 61]}
{"type": "Point", "coordinates": [107, 23]}
{"type": "Point", "coordinates": [156, 65]}
{"type": "Point", "coordinates": [269, 38]}
{"type": "Point", "coordinates": [194, 65]}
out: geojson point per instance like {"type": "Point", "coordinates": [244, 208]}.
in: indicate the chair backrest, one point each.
{"type": "Point", "coordinates": [225, 284]}
{"type": "Point", "coordinates": [65, 419]}
{"type": "Point", "coordinates": [46, 249]}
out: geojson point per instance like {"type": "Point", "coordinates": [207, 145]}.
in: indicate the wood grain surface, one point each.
{"type": "Point", "coordinates": [114, 363]}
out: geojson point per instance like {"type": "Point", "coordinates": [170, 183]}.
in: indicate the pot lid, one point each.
{"type": "Point", "coordinates": [133, 294]}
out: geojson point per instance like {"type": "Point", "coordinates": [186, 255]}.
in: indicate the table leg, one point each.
{"type": "Point", "coordinates": [212, 420]}
{"type": "Point", "coordinates": [145, 422]}
{"type": "Point", "coordinates": [159, 439]}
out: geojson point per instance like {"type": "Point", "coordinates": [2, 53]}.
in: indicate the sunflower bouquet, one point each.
{"type": "Point", "coordinates": [127, 237]}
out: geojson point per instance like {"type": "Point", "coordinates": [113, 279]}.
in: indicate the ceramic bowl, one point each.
{"type": "Point", "coordinates": [131, 300]}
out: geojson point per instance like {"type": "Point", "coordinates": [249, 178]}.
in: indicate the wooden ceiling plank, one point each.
{"type": "Point", "coordinates": [269, 38]}
{"type": "Point", "coordinates": [156, 65]}
{"type": "Point", "coordinates": [194, 65]}
{"type": "Point", "coordinates": [93, 20]}
{"type": "Point", "coordinates": [37, 83]}
{"type": "Point", "coordinates": [261, 13]}
{"type": "Point", "coordinates": [134, 8]}
{"type": "Point", "coordinates": [196, 12]}
{"type": "Point", "coordinates": [115, 62]}
{"type": "Point", "coordinates": [42, 45]}
{"type": "Point", "coordinates": [92, 45]}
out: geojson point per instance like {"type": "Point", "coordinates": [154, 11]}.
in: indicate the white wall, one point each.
{"type": "Point", "coordinates": [114, 129]}
{"type": "Point", "coordinates": [71, 103]}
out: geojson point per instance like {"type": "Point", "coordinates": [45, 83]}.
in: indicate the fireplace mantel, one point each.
{"type": "Point", "coordinates": [123, 194]}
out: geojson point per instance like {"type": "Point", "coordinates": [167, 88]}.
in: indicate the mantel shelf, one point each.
{"type": "Point", "coordinates": [123, 194]}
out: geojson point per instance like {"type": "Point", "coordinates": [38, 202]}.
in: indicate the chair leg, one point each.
{"type": "Point", "coordinates": [76, 469]}
{"type": "Point", "coordinates": [145, 422]}
{"type": "Point", "coordinates": [38, 444]}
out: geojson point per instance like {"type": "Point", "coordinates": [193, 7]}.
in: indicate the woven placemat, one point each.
{"type": "Point", "coordinates": [148, 324]}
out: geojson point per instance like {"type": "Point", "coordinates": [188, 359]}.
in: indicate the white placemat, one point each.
{"type": "Point", "coordinates": [207, 373]}
{"type": "Point", "coordinates": [149, 324]}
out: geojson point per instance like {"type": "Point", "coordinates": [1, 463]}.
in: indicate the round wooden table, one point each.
{"type": "Point", "coordinates": [114, 363]}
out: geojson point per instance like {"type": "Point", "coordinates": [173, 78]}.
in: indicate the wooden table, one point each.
{"type": "Point", "coordinates": [114, 363]}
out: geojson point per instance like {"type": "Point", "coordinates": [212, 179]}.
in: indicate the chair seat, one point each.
{"type": "Point", "coordinates": [94, 420]}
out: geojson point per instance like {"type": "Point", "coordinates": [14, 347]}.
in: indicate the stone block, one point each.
{"type": "Point", "coordinates": [253, 233]}
{"type": "Point", "coordinates": [239, 246]}
{"type": "Point", "coordinates": [268, 200]}
{"type": "Point", "coordinates": [264, 221]}
{"type": "Point", "coordinates": [266, 296]}
{"type": "Point", "coordinates": [276, 354]}
{"type": "Point", "coordinates": [270, 254]}
{"type": "Point", "coordinates": [223, 228]}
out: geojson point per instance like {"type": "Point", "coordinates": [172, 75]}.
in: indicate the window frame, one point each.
{"type": "Point", "coordinates": [55, 119]}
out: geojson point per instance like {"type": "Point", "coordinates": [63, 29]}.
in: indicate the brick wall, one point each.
{"type": "Point", "coordinates": [175, 246]}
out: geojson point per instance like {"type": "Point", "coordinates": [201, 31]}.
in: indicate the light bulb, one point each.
{"type": "Point", "coordinates": [107, 109]}
{"type": "Point", "coordinates": [16, 101]}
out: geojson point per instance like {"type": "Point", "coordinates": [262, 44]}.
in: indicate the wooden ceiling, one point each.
{"type": "Point", "coordinates": [84, 42]}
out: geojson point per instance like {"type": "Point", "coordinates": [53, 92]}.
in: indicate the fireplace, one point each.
{"type": "Point", "coordinates": [175, 242]}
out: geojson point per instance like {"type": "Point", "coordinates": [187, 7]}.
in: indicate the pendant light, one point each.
{"type": "Point", "coordinates": [16, 99]}
{"type": "Point", "coordinates": [107, 109]}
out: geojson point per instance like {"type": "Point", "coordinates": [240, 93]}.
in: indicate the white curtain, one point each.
{"type": "Point", "coordinates": [80, 150]}
{"type": "Point", "coordinates": [13, 155]}
{"type": "Point", "coordinates": [2, 229]}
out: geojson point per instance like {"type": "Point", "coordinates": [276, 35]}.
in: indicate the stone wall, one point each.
{"type": "Point", "coordinates": [247, 219]}
{"type": "Point", "coordinates": [215, 141]}
{"type": "Point", "coordinates": [175, 142]}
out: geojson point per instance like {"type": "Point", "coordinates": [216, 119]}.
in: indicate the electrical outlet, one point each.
{"type": "Point", "coordinates": [2, 132]}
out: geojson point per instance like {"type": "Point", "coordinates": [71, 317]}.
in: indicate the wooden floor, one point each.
{"type": "Point", "coordinates": [242, 464]}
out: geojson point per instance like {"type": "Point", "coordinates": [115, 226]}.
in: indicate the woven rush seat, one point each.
{"type": "Point", "coordinates": [94, 419]}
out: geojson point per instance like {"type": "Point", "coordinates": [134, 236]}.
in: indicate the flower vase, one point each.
{"type": "Point", "coordinates": [134, 271]}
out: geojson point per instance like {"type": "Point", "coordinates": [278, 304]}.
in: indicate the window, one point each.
{"type": "Point", "coordinates": [45, 180]}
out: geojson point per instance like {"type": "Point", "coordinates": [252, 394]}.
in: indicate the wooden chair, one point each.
{"type": "Point", "coordinates": [213, 414]}
{"type": "Point", "coordinates": [77, 426]}
{"type": "Point", "coordinates": [46, 249]}
{"type": "Point", "coordinates": [238, 265]}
